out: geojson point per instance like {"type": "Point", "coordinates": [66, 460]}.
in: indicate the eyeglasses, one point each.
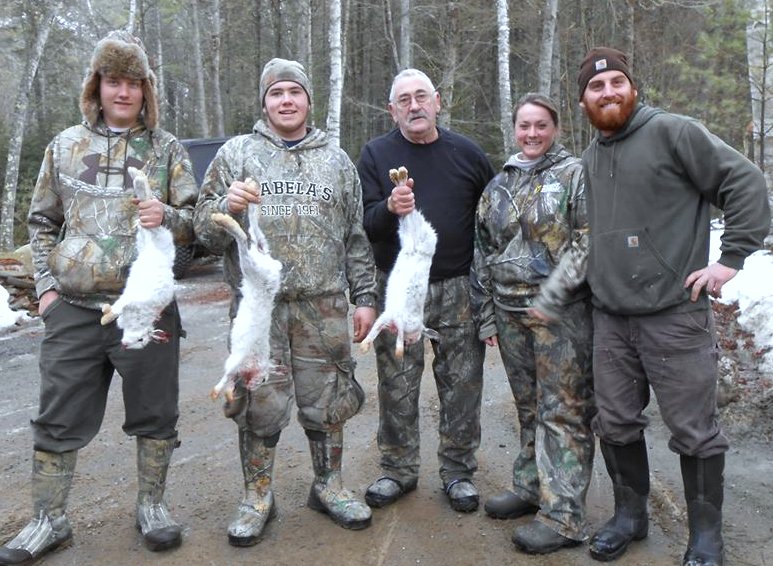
{"type": "Point", "coordinates": [421, 97]}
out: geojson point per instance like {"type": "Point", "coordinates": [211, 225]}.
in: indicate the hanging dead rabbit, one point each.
{"type": "Point", "coordinates": [150, 285]}
{"type": "Point", "coordinates": [250, 354]}
{"type": "Point", "coordinates": [406, 287]}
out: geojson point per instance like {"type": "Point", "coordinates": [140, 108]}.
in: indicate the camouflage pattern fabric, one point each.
{"type": "Point", "coordinates": [310, 346]}
{"type": "Point", "coordinates": [549, 368]}
{"type": "Point", "coordinates": [458, 371]}
{"type": "Point", "coordinates": [310, 212]}
{"type": "Point", "coordinates": [527, 221]}
{"type": "Point", "coordinates": [82, 221]}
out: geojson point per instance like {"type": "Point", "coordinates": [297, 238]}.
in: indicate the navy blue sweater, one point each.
{"type": "Point", "coordinates": [449, 176]}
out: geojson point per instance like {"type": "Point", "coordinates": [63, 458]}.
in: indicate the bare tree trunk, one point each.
{"type": "Point", "coordinates": [503, 66]}
{"type": "Point", "coordinates": [336, 73]}
{"type": "Point", "coordinates": [217, 96]}
{"type": "Point", "coordinates": [628, 31]}
{"type": "Point", "coordinates": [198, 68]}
{"type": "Point", "coordinates": [451, 59]}
{"type": "Point", "coordinates": [130, 25]}
{"type": "Point", "coordinates": [160, 71]}
{"type": "Point", "coordinates": [42, 15]}
{"type": "Point", "coordinates": [406, 35]}
{"type": "Point", "coordinates": [307, 53]}
{"type": "Point", "coordinates": [390, 33]}
{"type": "Point", "coordinates": [545, 67]}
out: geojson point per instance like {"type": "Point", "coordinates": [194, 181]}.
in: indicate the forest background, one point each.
{"type": "Point", "coordinates": [688, 56]}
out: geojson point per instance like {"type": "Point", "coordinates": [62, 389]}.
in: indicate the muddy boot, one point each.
{"type": "Point", "coordinates": [51, 480]}
{"type": "Point", "coordinates": [704, 493]}
{"type": "Point", "coordinates": [327, 493]}
{"type": "Point", "coordinates": [629, 470]}
{"type": "Point", "coordinates": [257, 508]}
{"type": "Point", "coordinates": [154, 521]}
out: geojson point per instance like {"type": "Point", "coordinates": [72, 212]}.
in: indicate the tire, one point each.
{"type": "Point", "coordinates": [183, 257]}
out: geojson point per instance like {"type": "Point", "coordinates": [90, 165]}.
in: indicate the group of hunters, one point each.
{"type": "Point", "coordinates": [591, 275]}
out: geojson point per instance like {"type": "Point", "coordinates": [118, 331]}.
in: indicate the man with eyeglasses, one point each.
{"type": "Point", "coordinates": [448, 174]}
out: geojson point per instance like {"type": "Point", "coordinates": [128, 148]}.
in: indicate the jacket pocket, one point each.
{"type": "Point", "coordinates": [628, 275]}
{"type": "Point", "coordinates": [83, 264]}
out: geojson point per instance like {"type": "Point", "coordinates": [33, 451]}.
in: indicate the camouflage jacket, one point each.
{"type": "Point", "coordinates": [310, 212]}
{"type": "Point", "coordinates": [82, 222]}
{"type": "Point", "coordinates": [529, 219]}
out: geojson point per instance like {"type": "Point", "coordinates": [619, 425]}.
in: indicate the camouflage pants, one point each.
{"type": "Point", "coordinates": [458, 370]}
{"type": "Point", "coordinates": [549, 370]}
{"type": "Point", "coordinates": [310, 346]}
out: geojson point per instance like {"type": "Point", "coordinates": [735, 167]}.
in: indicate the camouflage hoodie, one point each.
{"type": "Point", "coordinates": [527, 219]}
{"type": "Point", "coordinates": [82, 221]}
{"type": "Point", "coordinates": [310, 212]}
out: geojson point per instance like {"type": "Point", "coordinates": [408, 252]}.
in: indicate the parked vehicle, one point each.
{"type": "Point", "coordinates": [201, 151]}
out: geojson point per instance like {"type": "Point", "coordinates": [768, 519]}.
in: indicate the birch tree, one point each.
{"type": "Point", "coordinates": [198, 69]}
{"type": "Point", "coordinates": [450, 61]}
{"type": "Point", "coordinates": [406, 35]}
{"type": "Point", "coordinates": [215, 43]}
{"type": "Point", "coordinates": [336, 73]}
{"type": "Point", "coordinates": [41, 17]}
{"type": "Point", "coordinates": [503, 68]}
{"type": "Point", "coordinates": [545, 67]}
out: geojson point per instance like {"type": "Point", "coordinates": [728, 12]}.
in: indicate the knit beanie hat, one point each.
{"type": "Point", "coordinates": [119, 54]}
{"type": "Point", "coordinates": [599, 60]}
{"type": "Point", "coordinates": [278, 70]}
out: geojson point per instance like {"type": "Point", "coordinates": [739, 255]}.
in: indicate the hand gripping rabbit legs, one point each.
{"type": "Point", "coordinates": [407, 285]}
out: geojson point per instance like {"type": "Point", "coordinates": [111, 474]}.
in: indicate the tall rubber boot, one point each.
{"type": "Point", "coordinates": [327, 493]}
{"type": "Point", "coordinates": [628, 468]}
{"type": "Point", "coordinates": [51, 481]}
{"type": "Point", "coordinates": [704, 494]}
{"type": "Point", "coordinates": [257, 508]}
{"type": "Point", "coordinates": [154, 521]}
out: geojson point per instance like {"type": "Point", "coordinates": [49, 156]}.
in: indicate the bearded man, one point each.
{"type": "Point", "coordinates": [651, 179]}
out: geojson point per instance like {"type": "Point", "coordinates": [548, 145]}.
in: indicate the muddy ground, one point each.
{"type": "Point", "coordinates": [205, 479]}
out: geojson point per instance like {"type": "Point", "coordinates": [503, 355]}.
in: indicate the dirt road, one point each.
{"type": "Point", "coordinates": [205, 479]}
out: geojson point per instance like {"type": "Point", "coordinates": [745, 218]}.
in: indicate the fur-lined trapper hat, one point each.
{"type": "Point", "coordinates": [120, 54]}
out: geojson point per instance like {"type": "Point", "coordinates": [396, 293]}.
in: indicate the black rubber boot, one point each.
{"type": "Point", "coordinates": [704, 493]}
{"type": "Point", "coordinates": [51, 480]}
{"type": "Point", "coordinates": [629, 469]}
{"type": "Point", "coordinates": [159, 530]}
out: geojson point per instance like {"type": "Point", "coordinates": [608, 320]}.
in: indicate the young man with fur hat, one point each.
{"type": "Point", "coordinates": [652, 178]}
{"type": "Point", "coordinates": [311, 213]}
{"type": "Point", "coordinates": [82, 224]}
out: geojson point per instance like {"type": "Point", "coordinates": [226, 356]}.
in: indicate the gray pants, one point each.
{"type": "Point", "coordinates": [77, 359]}
{"type": "Point", "coordinates": [674, 353]}
{"type": "Point", "coordinates": [458, 370]}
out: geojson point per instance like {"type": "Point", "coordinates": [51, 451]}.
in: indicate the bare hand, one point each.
{"type": "Point", "coordinates": [363, 320]}
{"type": "Point", "coordinates": [240, 194]}
{"type": "Point", "coordinates": [150, 212]}
{"type": "Point", "coordinates": [401, 201]}
{"type": "Point", "coordinates": [46, 300]}
{"type": "Point", "coordinates": [492, 341]}
{"type": "Point", "coordinates": [712, 278]}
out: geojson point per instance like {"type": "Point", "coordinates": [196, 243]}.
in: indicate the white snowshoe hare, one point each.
{"type": "Point", "coordinates": [407, 285]}
{"type": "Point", "coordinates": [250, 352]}
{"type": "Point", "coordinates": [150, 285]}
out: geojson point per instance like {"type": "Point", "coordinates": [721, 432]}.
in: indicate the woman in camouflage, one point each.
{"type": "Point", "coordinates": [530, 217]}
